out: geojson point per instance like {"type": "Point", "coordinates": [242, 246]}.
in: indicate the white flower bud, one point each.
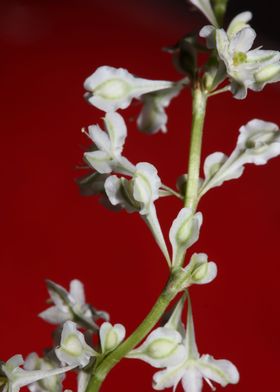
{"type": "Point", "coordinates": [111, 336]}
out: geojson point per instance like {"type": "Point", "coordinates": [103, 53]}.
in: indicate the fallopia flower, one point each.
{"type": "Point", "coordinates": [73, 349]}
{"type": "Point", "coordinates": [111, 336]}
{"type": "Point", "coordinates": [71, 306]}
{"type": "Point", "coordinates": [258, 142]}
{"type": "Point", "coordinates": [108, 156]}
{"type": "Point", "coordinates": [112, 88]}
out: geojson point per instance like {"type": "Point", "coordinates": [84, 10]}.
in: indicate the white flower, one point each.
{"type": "Point", "coordinates": [246, 68]}
{"type": "Point", "coordinates": [110, 144]}
{"type": "Point", "coordinates": [111, 336]}
{"type": "Point", "coordinates": [205, 7]}
{"type": "Point", "coordinates": [112, 88]}
{"type": "Point", "coordinates": [73, 350]}
{"type": "Point", "coordinates": [153, 117]}
{"type": "Point", "coordinates": [71, 306]}
{"type": "Point", "coordinates": [139, 194]}
{"type": "Point", "coordinates": [16, 377]}
{"type": "Point", "coordinates": [200, 270]}
{"type": "Point", "coordinates": [163, 347]}
{"type": "Point", "coordinates": [258, 142]}
{"type": "Point", "coordinates": [50, 384]}
{"type": "Point", "coordinates": [194, 368]}
{"type": "Point", "coordinates": [183, 233]}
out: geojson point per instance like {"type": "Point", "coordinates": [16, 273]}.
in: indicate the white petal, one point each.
{"type": "Point", "coordinates": [192, 380]}
{"type": "Point", "coordinates": [239, 22]}
{"type": "Point", "coordinates": [161, 348]}
{"type": "Point", "coordinates": [206, 31]}
{"type": "Point", "coordinates": [175, 320]}
{"type": "Point", "coordinates": [152, 118]}
{"type": "Point", "coordinates": [55, 315]}
{"type": "Point", "coordinates": [190, 341]}
{"type": "Point", "coordinates": [100, 138]}
{"type": "Point", "coordinates": [184, 232]}
{"type": "Point", "coordinates": [221, 371]}
{"type": "Point", "coordinates": [100, 161]}
{"type": "Point", "coordinates": [263, 57]}
{"type": "Point", "coordinates": [167, 378]}
{"type": "Point", "coordinates": [213, 163]}
{"type": "Point", "coordinates": [117, 194]}
{"type": "Point", "coordinates": [77, 291]}
{"type": "Point", "coordinates": [146, 185]}
{"type": "Point", "coordinates": [243, 40]}
{"type": "Point", "coordinates": [116, 128]}
{"type": "Point", "coordinates": [223, 43]}
{"type": "Point", "coordinates": [111, 336]}
{"type": "Point", "coordinates": [205, 7]}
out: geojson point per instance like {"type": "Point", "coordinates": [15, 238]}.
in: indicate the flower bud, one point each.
{"type": "Point", "coordinates": [111, 336]}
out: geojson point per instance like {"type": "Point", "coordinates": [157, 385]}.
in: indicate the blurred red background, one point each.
{"type": "Point", "coordinates": [50, 231]}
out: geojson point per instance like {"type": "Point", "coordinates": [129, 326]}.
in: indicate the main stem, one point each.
{"type": "Point", "coordinates": [176, 281]}
{"type": "Point", "coordinates": [198, 115]}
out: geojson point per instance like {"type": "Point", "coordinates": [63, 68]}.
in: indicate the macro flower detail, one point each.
{"type": "Point", "coordinates": [200, 270]}
{"type": "Point", "coordinates": [153, 118]}
{"type": "Point", "coordinates": [195, 367]}
{"type": "Point", "coordinates": [139, 194]}
{"type": "Point", "coordinates": [112, 88]}
{"type": "Point", "coordinates": [258, 142]}
{"type": "Point", "coordinates": [73, 349]}
{"type": "Point", "coordinates": [184, 232]}
{"type": "Point", "coordinates": [162, 347]}
{"type": "Point", "coordinates": [107, 157]}
{"type": "Point", "coordinates": [111, 336]}
{"type": "Point", "coordinates": [71, 306]}
{"type": "Point", "coordinates": [14, 377]}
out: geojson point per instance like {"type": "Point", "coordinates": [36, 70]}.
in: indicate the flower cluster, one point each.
{"type": "Point", "coordinates": [175, 349]}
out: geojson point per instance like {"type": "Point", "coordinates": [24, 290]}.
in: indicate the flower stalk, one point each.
{"type": "Point", "coordinates": [198, 113]}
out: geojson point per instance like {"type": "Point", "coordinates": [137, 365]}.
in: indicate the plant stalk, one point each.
{"type": "Point", "coordinates": [198, 113]}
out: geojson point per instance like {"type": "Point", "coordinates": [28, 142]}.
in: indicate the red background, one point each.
{"type": "Point", "coordinates": [50, 231]}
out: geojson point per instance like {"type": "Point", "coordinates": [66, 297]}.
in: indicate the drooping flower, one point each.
{"type": "Point", "coordinates": [111, 336]}
{"type": "Point", "coordinates": [258, 142]}
{"type": "Point", "coordinates": [73, 349]}
{"type": "Point", "coordinates": [15, 377]}
{"type": "Point", "coordinates": [139, 194]}
{"type": "Point", "coordinates": [174, 348]}
{"type": "Point", "coordinates": [71, 306]}
{"type": "Point", "coordinates": [153, 118]}
{"type": "Point", "coordinates": [183, 233]}
{"type": "Point", "coordinates": [112, 88]}
{"type": "Point", "coordinates": [108, 156]}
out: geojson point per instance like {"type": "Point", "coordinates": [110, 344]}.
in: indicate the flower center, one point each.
{"type": "Point", "coordinates": [239, 58]}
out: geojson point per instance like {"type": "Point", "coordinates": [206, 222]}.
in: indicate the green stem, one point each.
{"type": "Point", "coordinates": [198, 112]}
{"type": "Point", "coordinates": [173, 286]}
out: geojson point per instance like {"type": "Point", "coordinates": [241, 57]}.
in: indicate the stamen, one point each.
{"type": "Point", "coordinates": [83, 130]}
{"type": "Point", "coordinates": [210, 384]}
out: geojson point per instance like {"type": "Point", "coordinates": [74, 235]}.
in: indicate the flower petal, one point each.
{"type": "Point", "coordinates": [205, 7]}
{"type": "Point", "coordinates": [167, 378]}
{"type": "Point", "coordinates": [222, 371]}
{"type": "Point", "coordinates": [192, 380]}
{"type": "Point", "coordinates": [101, 161]}
{"type": "Point", "coordinates": [55, 315]}
{"type": "Point", "coordinates": [100, 138]}
{"type": "Point", "coordinates": [243, 40]}
{"type": "Point", "coordinates": [161, 348]}
{"type": "Point", "coordinates": [77, 291]}
{"type": "Point", "coordinates": [239, 22]}
{"type": "Point", "coordinates": [111, 336]}
{"type": "Point", "coordinates": [117, 131]}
